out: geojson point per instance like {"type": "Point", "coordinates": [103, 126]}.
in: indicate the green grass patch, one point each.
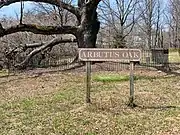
{"type": "Point", "coordinates": [3, 72]}
{"type": "Point", "coordinates": [110, 78]}
{"type": "Point", "coordinates": [28, 103]}
{"type": "Point", "coordinates": [174, 49]}
{"type": "Point", "coordinates": [116, 78]}
{"type": "Point", "coordinates": [174, 57]}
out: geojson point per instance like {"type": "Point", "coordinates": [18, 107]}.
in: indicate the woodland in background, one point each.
{"type": "Point", "coordinates": [57, 29]}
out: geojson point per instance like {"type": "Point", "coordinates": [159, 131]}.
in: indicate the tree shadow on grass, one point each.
{"type": "Point", "coordinates": [123, 108]}
{"type": "Point", "coordinates": [151, 78]}
{"type": "Point", "coordinates": [161, 107]}
{"type": "Point", "coordinates": [171, 69]}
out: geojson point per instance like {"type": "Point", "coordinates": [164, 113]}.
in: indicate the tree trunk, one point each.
{"type": "Point", "coordinates": [87, 38]}
{"type": "Point", "coordinates": [89, 27]}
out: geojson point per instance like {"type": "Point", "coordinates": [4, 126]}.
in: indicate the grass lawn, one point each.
{"type": "Point", "coordinates": [54, 104]}
{"type": "Point", "coordinates": [174, 56]}
{"type": "Point", "coordinates": [3, 73]}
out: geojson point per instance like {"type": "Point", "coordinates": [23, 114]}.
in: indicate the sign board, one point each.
{"type": "Point", "coordinates": [103, 54]}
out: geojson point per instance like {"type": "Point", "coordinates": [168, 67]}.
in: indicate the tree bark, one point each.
{"type": "Point", "coordinates": [89, 27]}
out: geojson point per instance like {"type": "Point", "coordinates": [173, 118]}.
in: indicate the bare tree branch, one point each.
{"type": "Point", "coordinates": [59, 3]}
{"type": "Point", "coordinates": [36, 29]}
{"type": "Point", "coordinates": [51, 43]}
{"type": "Point", "coordinates": [121, 18]}
{"type": "Point", "coordinates": [35, 45]}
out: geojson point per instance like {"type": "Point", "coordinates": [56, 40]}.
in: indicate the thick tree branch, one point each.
{"type": "Point", "coordinates": [35, 45]}
{"type": "Point", "coordinates": [51, 43]}
{"type": "Point", "coordinates": [37, 29]}
{"type": "Point", "coordinates": [59, 3]}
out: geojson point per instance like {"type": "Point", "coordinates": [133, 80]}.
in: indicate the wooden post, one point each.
{"type": "Point", "coordinates": [88, 81]}
{"type": "Point", "coordinates": [131, 98]}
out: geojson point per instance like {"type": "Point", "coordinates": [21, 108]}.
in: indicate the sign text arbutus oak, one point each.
{"type": "Point", "coordinates": [93, 54]}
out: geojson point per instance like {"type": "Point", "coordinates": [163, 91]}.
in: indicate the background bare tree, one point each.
{"type": "Point", "coordinates": [174, 22]}
{"type": "Point", "coordinates": [119, 16]}
{"type": "Point", "coordinates": [151, 21]}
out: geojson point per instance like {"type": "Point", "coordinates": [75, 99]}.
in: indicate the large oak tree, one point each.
{"type": "Point", "coordinates": [85, 29]}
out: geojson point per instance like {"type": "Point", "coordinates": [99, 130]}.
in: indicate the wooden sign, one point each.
{"type": "Point", "coordinates": [102, 54]}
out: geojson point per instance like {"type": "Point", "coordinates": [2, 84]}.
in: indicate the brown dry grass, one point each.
{"type": "Point", "coordinates": [53, 104]}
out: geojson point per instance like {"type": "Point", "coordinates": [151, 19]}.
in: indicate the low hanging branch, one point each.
{"type": "Point", "coordinates": [38, 29]}
{"type": "Point", "coordinates": [42, 46]}
{"type": "Point", "coordinates": [35, 45]}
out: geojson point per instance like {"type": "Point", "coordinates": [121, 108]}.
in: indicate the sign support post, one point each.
{"type": "Point", "coordinates": [88, 81]}
{"type": "Point", "coordinates": [131, 98]}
